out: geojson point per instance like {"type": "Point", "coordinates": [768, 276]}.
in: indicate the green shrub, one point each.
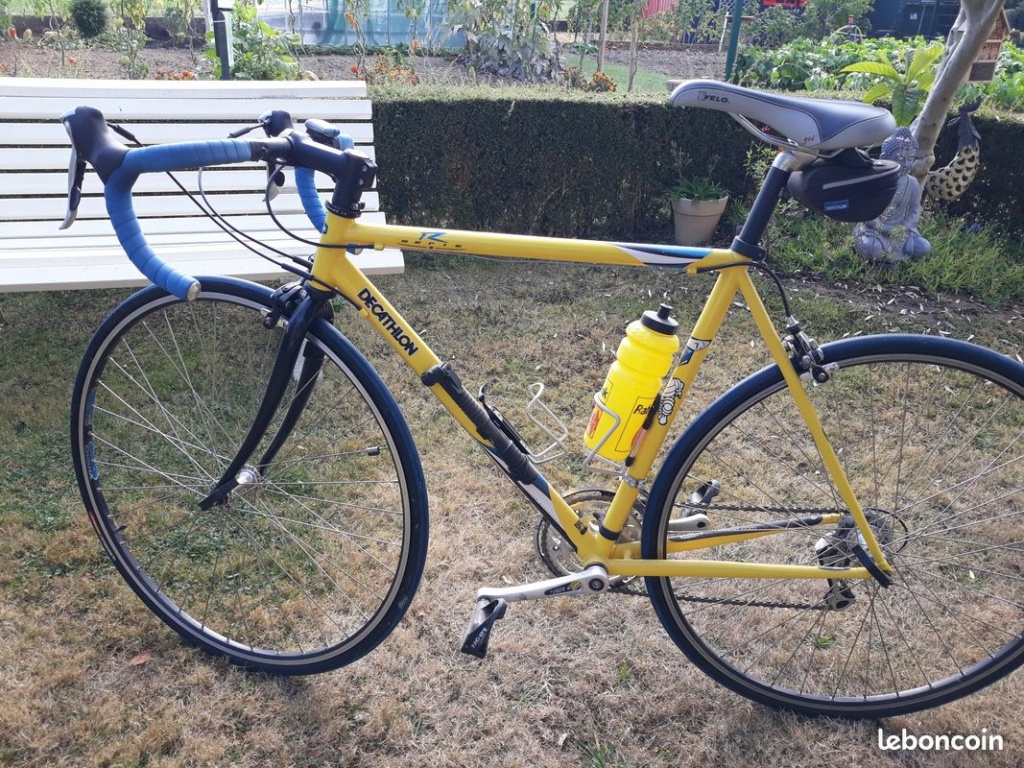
{"type": "Point", "coordinates": [91, 17]}
{"type": "Point", "coordinates": [906, 90]}
{"type": "Point", "coordinates": [572, 164]}
{"type": "Point", "coordinates": [825, 65]}
{"type": "Point", "coordinates": [546, 161]}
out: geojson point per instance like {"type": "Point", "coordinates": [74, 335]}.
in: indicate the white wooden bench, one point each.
{"type": "Point", "coordinates": [34, 153]}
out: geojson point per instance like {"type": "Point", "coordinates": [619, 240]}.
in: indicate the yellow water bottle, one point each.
{"type": "Point", "coordinates": [642, 360]}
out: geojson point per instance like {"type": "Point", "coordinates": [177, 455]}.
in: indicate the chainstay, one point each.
{"type": "Point", "coordinates": [634, 587]}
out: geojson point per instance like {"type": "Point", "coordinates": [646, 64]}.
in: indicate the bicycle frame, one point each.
{"type": "Point", "coordinates": [332, 268]}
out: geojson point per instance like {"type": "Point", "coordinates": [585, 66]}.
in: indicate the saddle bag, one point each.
{"type": "Point", "coordinates": [848, 187]}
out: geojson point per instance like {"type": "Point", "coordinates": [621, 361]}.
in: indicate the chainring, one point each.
{"type": "Point", "coordinates": [557, 553]}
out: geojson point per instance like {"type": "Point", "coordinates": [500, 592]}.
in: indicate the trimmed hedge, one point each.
{"type": "Point", "coordinates": [551, 162]}
{"type": "Point", "coordinates": [531, 163]}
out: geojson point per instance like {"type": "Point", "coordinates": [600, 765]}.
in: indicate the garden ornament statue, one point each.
{"type": "Point", "coordinates": [951, 181]}
{"type": "Point", "coordinates": [893, 236]}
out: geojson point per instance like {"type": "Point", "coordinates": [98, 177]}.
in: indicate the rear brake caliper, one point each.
{"type": "Point", "coordinates": [806, 354]}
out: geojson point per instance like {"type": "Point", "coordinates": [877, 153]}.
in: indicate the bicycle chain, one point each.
{"type": "Point", "coordinates": [628, 589]}
{"type": "Point", "coordinates": [777, 508]}
{"type": "Point", "coordinates": [625, 589]}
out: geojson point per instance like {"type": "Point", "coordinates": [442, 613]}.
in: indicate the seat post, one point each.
{"type": "Point", "coordinates": [748, 241]}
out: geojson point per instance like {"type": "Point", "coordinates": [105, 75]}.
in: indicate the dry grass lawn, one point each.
{"type": "Point", "coordinates": [89, 678]}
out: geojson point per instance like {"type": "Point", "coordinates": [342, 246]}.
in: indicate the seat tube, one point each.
{"type": "Point", "coordinates": [747, 242]}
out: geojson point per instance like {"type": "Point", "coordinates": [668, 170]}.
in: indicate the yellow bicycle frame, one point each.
{"type": "Point", "coordinates": [333, 268]}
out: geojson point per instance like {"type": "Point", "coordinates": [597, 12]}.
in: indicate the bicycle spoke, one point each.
{"type": "Point", "coordinates": [933, 451]}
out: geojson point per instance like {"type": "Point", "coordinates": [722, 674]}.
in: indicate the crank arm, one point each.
{"type": "Point", "coordinates": [593, 579]}
{"type": "Point", "coordinates": [491, 604]}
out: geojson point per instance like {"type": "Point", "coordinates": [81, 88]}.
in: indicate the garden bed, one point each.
{"type": "Point", "coordinates": [30, 59]}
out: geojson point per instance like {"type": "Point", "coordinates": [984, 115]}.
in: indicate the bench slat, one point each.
{"type": "Point", "coordinates": [215, 179]}
{"type": "Point", "coordinates": [56, 159]}
{"type": "Point", "coordinates": [29, 275]}
{"type": "Point", "coordinates": [52, 133]}
{"type": "Point", "coordinates": [35, 255]}
{"type": "Point", "coordinates": [44, 231]}
{"type": "Point", "coordinates": [52, 209]}
{"type": "Point", "coordinates": [156, 109]}
{"type": "Point", "coordinates": [39, 136]}
{"type": "Point", "coordinates": [96, 236]}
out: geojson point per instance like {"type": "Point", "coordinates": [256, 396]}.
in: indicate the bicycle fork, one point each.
{"type": "Point", "coordinates": [309, 304]}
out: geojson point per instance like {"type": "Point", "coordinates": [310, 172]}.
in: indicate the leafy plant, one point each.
{"type": "Point", "coordinates": [697, 189]}
{"type": "Point", "coordinates": [822, 17]}
{"type": "Point", "coordinates": [180, 16]}
{"type": "Point", "coordinates": [131, 30]}
{"type": "Point", "coordinates": [507, 39]}
{"type": "Point", "coordinates": [907, 89]}
{"type": "Point", "coordinates": [697, 21]}
{"type": "Point", "coordinates": [773, 26]}
{"type": "Point", "coordinates": [585, 15]}
{"type": "Point", "coordinates": [601, 83]}
{"type": "Point", "coordinates": [91, 17]}
{"type": "Point", "coordinates": [391, 65]}
{"type": "Point", "coordinates": [261, 53]}
{"type": "Point", "coordinates": [802, 64]}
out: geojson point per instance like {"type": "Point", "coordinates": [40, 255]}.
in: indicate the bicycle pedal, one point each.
{"type": "Point", "coordinates": [474, 641]}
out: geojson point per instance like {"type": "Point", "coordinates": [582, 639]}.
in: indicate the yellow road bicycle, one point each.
{"type": "Point", "coordinates": [841, 533]}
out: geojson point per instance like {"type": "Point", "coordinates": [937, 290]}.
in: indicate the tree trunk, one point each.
{"type": "Point", "coordinates": [604, 36]}
{"type": "Point", "coordinates": [980, 16]}
{"type": "Point", "coordinates": [634, 43]}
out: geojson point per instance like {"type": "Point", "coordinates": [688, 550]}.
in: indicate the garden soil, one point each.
{"type": "Point", "coordinates": [27, 58]}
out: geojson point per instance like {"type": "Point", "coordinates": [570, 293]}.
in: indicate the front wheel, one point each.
{"type": "Point", "coordinates": [930, 433]}
{"type": "Point", "coordinates": [317, 554]}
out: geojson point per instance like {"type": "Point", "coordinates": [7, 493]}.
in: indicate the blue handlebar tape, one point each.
{"type": "Point", "coordinates": [118, 195]}
{"type": "Point", "coordinates": [306, 185]}
{"type": "Point", "coordinates": [311, 204]}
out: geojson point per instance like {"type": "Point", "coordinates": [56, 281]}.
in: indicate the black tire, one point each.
{"type": "Point", "coordinates": [930, 432]}
{"type": "Point", "coordinates": [307, 569]}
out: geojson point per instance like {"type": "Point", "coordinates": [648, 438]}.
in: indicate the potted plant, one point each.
{"type": "Point", "coordinates": [697, 205]}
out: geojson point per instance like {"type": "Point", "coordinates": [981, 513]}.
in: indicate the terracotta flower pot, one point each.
{"type": "Point", "coordinates": [696, 220]}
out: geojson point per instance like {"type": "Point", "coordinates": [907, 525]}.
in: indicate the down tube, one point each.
{"type": "Point", "coordinates": [336, 269]}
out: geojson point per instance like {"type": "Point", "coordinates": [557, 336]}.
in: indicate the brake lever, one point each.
{"type": "Point", "coordinates": [275, 123]}
{"type": "Point", "coordinates": [76, 175]}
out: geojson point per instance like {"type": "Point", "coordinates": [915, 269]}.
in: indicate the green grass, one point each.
{"type": "Point", "coordinates": [644, 81]}
{"type": "Point", "coordinates": [986, 266]}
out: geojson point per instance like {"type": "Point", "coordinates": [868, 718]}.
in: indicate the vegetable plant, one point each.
{"type": "Point", "coordinates": [907, 89]}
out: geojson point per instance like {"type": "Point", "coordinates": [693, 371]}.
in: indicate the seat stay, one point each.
{"type": "Point", "coordinates": [815, 125]}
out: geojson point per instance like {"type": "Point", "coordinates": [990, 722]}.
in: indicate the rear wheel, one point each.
{"type": "Point", "coordinates": [316, 556]}
{"type": "Point", "coordinates": [930, 433]}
